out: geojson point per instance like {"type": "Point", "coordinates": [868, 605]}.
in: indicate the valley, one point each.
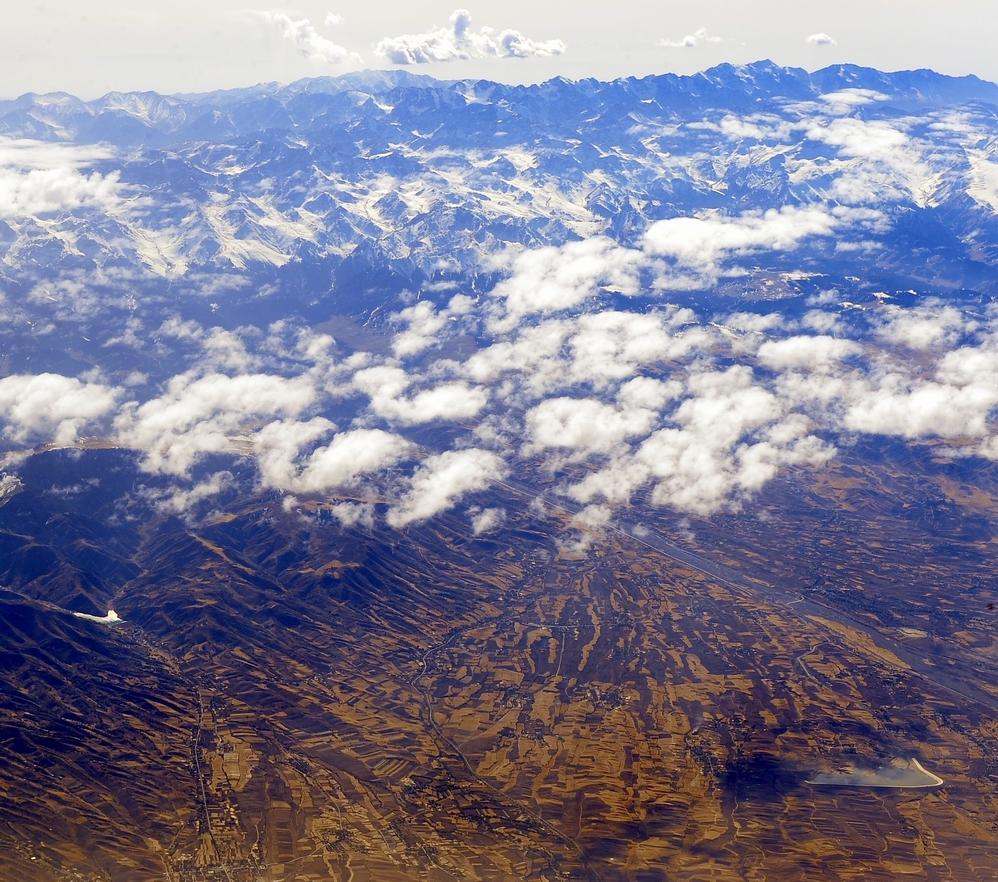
{"type": "Point", "coordinates": [471, 708]}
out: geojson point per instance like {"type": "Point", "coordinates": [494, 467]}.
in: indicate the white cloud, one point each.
{"type": "Point", "coordinates": [181, 501]}
{"type": "Point", "coordinates": [460, 42]}
{"type": "Point", "coordinates": [41, 178]}
{"type": "Point", "coordinates": [386, 387]}
{"type": "Point", "coordinates": [221, 348]}
{"type": "Point", "coordinates": [43, 406]}
{"type": "Point", "coordinates": [726, 404]}
{"type": "Point", "coordinates": [757, 127]}
{"type": "Point", "coordinates": [591, 522]}
{"type": "Point", "coordinates": [704, 243]}
{"type": "Point", "coordinates": [882, 161]}
{"type": "Point", "coordinates": [195, 416]}
{"type": "Point", "coordinates": [426, 325]}
{"type": "Point", "coordinates": [698, 38]}
{"type": "Point", "coordinates": [819, 352]}
{"type": "Point", "coordinates": [26, 154]}
{"type": "Point", "coordinates": [441, 480]}
{"type": "Point", "coordinates": [820, 39]}
{"type": "Point", "coordinates": [897, 406]}
{"type": "Point", "coordinates": [535, 353]}
{"type": "Point", "coordinates": [555, 278]}
{"type": "Point", "coordinates": [486, 520]}
{"type": "Point", "coordinates": [278, 444]}
{"type": "Point", "coordinates": [42, 192]}
{"type": "Point", "coordinates": [822, 321]}
{"type": "Point", "coordinates": [350, 455]}
{"type": "Point", "coordinates": [725, 441]}
{"type": "Point", "coordinates": [583, 425]}
{"type": "Point", "coordinates": [953, 398]}
{"type": "Point", "coordinates": [846, 99]}
{"type": "Point", "coordinates": [352, 514]}
{"type": "Point", "coordinates": [597, 348]}
{"type": "Point", "coordinates": [752, 322]}
{"type": "Point", "coordinates": [931, 325]}
{"type": "Point", "coordinates": [957, 401]}
{"type": "Point", "coordinates": [613, 345]}
{"type": "Point", "coordinates": [304, 36]}
{"type": "Point", "coordinates": [647, 392]}
{"type": "Point", "coordinates": [867, 139]}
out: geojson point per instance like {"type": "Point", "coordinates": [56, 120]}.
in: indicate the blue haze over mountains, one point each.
{"type": "Point", "coordinates": [549, 478]}
{"type": "Point", "coordinates": [388, 242]}
{"type": "Point", "coordinates": [360, 169]}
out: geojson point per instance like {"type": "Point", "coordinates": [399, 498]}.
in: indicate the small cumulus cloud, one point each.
{"type": "Point", "coordinates": [353, 514]}
{"type": "Point", "coordinates": [699, 37]}
{"type": "Point", "coordinates": [815, 352]}
{"type": "Point", "coordinates": [704, 243]}
{"type": "Point", "coordinates": [931, 326]}
{"type": "Point", "coordinates": [845, 99]}
{"type": "Point", "coordinates": [680, 252]}
{"type": "Point", "coordinates": [441, 480]}
{"type": "Point", "coordinates": [460, 42]}
{"type": "Point", "coordinates": [305, 37]}
{"type": "Point", "coordinates": [554, 278]}
{"type": "Point", "coordinates": [584, 425]}
{"type": "Point", "coordinates": [387, 386]}
{"type": "Point", "coordinates": [51, 405]}
{"type": "Point", "coordinates": [197, 416]}
{"type": "Point", "coordinates": [183, 501]}
{"type": "Point", "coordinates": [426, 325]}
{"type": "Point", "coordinates": [40, 178]}
{"type": "Point", "coordinates": [820, 39]}
{"type": "Point", "coordinates": [348, 457]}
{"type": "Point", "coordinates": [486, 520]}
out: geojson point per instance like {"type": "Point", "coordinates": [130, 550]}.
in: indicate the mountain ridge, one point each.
{"type": "Point", "coordinates": [389, 79]}
{"type": "Point", "coordinates": [922, 84]}
{"type": "Point", "coordinates": [425, 170]}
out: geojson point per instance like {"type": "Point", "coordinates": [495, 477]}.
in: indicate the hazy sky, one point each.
{"type": "Point", "coordinates": [89, 47]}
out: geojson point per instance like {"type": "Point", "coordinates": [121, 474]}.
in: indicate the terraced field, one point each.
{"type": "Point", "coordinates": [286, 700]}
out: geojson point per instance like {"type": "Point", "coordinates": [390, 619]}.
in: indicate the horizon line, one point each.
{"type": "Point", "coordinates": [405, 72]}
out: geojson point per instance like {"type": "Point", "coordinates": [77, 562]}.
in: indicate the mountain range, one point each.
{"type": "Point", "coordinates": [405, 479]}
{"type": "Point", "coordinates": [418, 175]}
